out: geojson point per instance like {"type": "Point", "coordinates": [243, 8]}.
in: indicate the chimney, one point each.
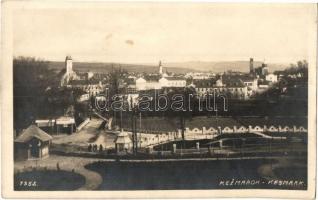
{"type": "Point", "coordinates": [251, 65]}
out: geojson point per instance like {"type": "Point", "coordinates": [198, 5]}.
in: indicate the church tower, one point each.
{"type": "Point", "coordinates": [69, 64]}
{"type": "Point", "coordinates": [160, 68]}
{"type": "Point", "coordinates": [69, 73]}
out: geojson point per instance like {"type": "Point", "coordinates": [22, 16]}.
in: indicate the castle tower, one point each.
{"type": "Point", "coordinates": [160, 68]}
{"type": "Point", "coordinates": [251, 65]}
{"type": "Point", "coordinates": [69, 64]}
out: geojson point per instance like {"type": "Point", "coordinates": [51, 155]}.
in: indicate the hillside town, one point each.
{"type": "Point", "coordinates": [247, 116]}
{"type": "Point", "coordinates": [158, 100]}
{"type": "Point", "coordinates": [236, 84]}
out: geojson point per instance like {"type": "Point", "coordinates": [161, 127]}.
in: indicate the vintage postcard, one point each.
{"type": "Point", "coordinates": [158, 99]}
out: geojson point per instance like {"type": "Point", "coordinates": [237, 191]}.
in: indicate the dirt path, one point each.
{"type": "Point", "coordinates": [92, 179]}
{"type": "Point", "coordinates": [82, 137]}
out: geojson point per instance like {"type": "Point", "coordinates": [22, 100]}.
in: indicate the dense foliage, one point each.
{"type": "Point", "coordinates": [31, 78]}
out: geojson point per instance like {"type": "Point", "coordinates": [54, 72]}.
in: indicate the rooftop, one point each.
{"type": "Point", "coordinates": [83, 82]}
{"type": "Point", "coordinates": [232, 81]}
{"type": "Point", "coordinates": [123, 138]}
{"type": "Point", "coordinates": [152, 78]}
{"type": "Point", "coordinates": [204, 83]}
{"type": "Point", "coordinates": [33, 132]}
{"type": "Point", "coordinates": [173, 78]}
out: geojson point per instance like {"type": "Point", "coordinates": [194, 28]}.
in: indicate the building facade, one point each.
{"type": "Point", "coordinates": [271, 78]}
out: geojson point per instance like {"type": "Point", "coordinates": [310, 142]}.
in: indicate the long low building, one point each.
{"type": "Point", "coordinates": [162, 125]}
{"type": "Point", "coordinates": [156, 83]}
{"type": "Point", "coordinates": [59, 125]}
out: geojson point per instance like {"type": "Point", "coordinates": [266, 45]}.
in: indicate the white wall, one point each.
{"type": "Point", "coordinates": [271, 78]}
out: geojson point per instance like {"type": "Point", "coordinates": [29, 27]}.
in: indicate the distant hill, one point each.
{"type": "Point", "coordinates": [217, 67]}
{"type": "Point", "coordinates": [107, 67]}
{"type": "Point", "coordinates": [175, 67]}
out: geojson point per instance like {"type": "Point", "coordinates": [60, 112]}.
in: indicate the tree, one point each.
{"type": "Point", "coordinates": [115, 78]}
{"type": "Point", "coordinates": [31, 78]}
{"type": "Point", "coordinates": [301, 67]}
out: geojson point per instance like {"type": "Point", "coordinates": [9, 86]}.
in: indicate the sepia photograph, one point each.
{"type": "Point", "coordinates": [159, 97]}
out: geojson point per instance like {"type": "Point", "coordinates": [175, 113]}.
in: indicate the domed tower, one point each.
{"type": "Point", "coordinates": [69, 64]}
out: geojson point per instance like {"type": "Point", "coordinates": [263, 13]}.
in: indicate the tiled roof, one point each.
{"type": "Point", "coordinates": [152, 78]}
{"type": "Point", "coordinates": [232, 81]}
{"type": "Point", "coordinates": [78, 82]}
{"type": "Point", "coordinates": [83, 82]}
{"type": "Point", "coordinates": [129, 81]}
{"type": "Point", "coordinates": [33, 132]}
{"type": "Point", "coordinates": [123, 138]}
{"type": "Point", "coordinates": [172, 78]}
{"type": "Point", "coordinates": [247, 78]}
{"type": "Point", "coordinates": [204, 83]}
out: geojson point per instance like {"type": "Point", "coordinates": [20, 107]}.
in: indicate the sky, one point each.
{"type": "Point", "coordinates": [175, 32]}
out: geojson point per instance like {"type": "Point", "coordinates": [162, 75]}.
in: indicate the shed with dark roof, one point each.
{"type": "Point", "coordinates": [32, 143]}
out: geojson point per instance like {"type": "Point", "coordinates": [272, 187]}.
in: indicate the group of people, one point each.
{"type": "Point", "coordinates": [94, 148]}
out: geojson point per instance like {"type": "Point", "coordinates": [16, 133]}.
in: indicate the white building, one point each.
{"type": "Point", "coordinates": [172, 82]}
{"type": "Point", "coordinates": [232, 87]}
{"type": "Point", "coordinates": [199, 75]}
{"type": "Point", "coordinates": [90, 75]}
{"type": "Point", "coordinates": [271, 78]}
{"type": "Point", "coordinates": [155, 84]}
{"type": "Point", "coordinates": [203, 87]}
{"type": "Point", "coordinates": [65, 124]}
{"type": "Point", "coordinates": [252, 85]}
{"type": "Point", "coordinates": [92, 87]}
{"type": "Point", "coordinates": [147, 84]}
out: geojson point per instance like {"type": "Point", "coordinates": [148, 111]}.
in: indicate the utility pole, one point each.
{"type": "Point", "coordinates": [132, 124]}
{"type": "Point", "coordinates": [135, 132]}
{"type": "Point", "coordinates": [182, 126]}
{"type": "Point", "coordinates": [134, 127]}
{"type": "Point", "coordinates": [121, 114]}
{"type": "Point", "coordinates": [139, 129]}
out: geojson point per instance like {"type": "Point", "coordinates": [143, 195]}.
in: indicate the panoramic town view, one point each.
{"type": "Point", "coordinates": [92, 126]}
{"type": "Point", "coordinates": [159, 125]}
